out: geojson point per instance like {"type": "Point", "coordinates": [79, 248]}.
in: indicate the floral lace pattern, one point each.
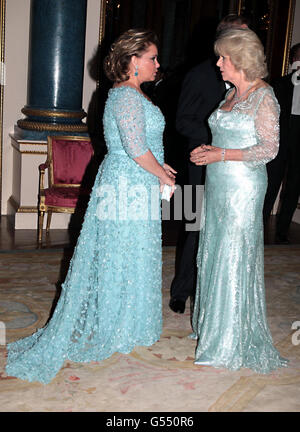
{"type": "Point", "coordinates": [262, 107]}
{"type": "Point", "coordinates": [111, 298]}
{"type": "Point", "coordinates": [229, 318]}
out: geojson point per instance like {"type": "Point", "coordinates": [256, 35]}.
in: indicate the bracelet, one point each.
{"type": "Point", "coordinates": [223, 155]}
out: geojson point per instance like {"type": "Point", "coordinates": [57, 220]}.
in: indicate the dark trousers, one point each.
{"type": "Point", "coordinates": [291, 191]}
{"type": "Point", "coordinates": [276, 170]}
{"type": "Point", "coordinates": [184, 282]}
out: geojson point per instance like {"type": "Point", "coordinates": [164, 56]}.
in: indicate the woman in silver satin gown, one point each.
{"type": "Point", "coordinates": [229, 320]}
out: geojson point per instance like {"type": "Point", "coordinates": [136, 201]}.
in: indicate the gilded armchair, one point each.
{"type": "Point", "coordinates": [67, 161]}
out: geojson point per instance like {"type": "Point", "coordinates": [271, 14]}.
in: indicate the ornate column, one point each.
{"type": "Point", "coordinates": [54, 99]}
{"type": "Point", "coordinates": [55, 69]}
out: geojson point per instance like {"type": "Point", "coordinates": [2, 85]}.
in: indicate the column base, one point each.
{"type": "Point", "coordinates": [39, 126]}
{"type": "Point", "coordinates": [35, 135]}
{"type": "Point", "coordinates": [27, 217]}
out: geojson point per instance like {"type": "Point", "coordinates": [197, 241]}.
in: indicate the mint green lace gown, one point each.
{"type": "Point", "coordinates": [229, 320]}
{"type": "Point", "coordinates": [111, 298]}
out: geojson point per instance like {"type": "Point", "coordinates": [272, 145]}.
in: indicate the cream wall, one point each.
{"type": "Point", "coordinates": [15, 95]}
{"type": "Point", "coordinates": [16, 62]}
{"type": "Point", "coordinates": [91, 44]}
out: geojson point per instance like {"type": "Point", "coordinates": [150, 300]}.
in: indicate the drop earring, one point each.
{"type": "Point", "coordinates": [136, 71]}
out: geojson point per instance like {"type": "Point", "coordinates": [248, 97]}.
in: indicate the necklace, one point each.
{"type": "Point", "coordinates": [238, 98]}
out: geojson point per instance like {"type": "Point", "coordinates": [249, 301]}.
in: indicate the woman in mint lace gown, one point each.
{"type": "Point", "coordinates": [229, 320]}
{"type": "Point", "coordinates": [111, 298]}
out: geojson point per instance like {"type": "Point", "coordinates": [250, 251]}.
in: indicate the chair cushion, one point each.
{"type": "Point", "coordinates": [64, 196]}
{"type": "Point", "coordinates": [70, 159]}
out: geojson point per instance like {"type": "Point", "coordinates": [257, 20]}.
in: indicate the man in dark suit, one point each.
{"type": "Point", "coordinates": [202, 90]}
{"type": "Point", "coordinates": [287, 91]}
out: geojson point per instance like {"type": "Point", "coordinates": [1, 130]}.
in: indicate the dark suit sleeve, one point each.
{"type": "Point", "coordinates": [200, 94]}
{"type": "Point", "coordinates": [283, 89]}
{"type": "Point", "coordinates": [190, 117]}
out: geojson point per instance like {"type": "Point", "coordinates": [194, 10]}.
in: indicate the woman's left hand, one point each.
{"type": "Point", "coordinates": [171, 174]}
{"type": "Point", "coordinates": [206, 154]}
{"type": "Point", "coordinates": [169, 170]}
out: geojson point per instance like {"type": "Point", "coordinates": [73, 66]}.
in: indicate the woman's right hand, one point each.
{"type": "Point", "coordinates": [169, 170]}
{"type": "Point", "coordinates": [165, 173]}
{"type": "Point", "coordinates": [167, 180]}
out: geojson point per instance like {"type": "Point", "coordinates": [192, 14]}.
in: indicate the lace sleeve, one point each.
{"type": "Point", "coordinates": [266, 120]}
{"type": "Point", "coordinates": [130, 118]}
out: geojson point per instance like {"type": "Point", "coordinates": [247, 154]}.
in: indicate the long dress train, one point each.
{"type": "Point", "coordinates": [111, 298]}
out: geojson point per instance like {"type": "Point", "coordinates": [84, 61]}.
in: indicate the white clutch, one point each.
{"type": "Point", "coordinates": [166, 193]}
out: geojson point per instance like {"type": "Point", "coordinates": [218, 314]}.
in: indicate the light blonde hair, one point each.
{"type": "Point", "coordinates": [245, 50]}
{"type": "Point", "coordinates": [133, 42]}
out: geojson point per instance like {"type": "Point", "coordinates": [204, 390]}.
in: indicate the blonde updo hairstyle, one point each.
{"type": "Point", "coordinates": [133, 42]}
{"type": "Point", "coordinates": [245, 50]}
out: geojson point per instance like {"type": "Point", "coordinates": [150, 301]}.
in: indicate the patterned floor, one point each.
{"type": "Point", "coordinates": [159, 378]}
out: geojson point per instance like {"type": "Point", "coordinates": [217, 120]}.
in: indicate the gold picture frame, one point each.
{"type": "Point", "coordinates": [279, 28]}
{"type": "Point", "coordinates": [102, 21]}
{"type": "Point", "coordinates": [288, 36]}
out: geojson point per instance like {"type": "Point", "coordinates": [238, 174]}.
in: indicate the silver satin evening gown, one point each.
{"type": "Point", "coordinates": [229, 320]}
